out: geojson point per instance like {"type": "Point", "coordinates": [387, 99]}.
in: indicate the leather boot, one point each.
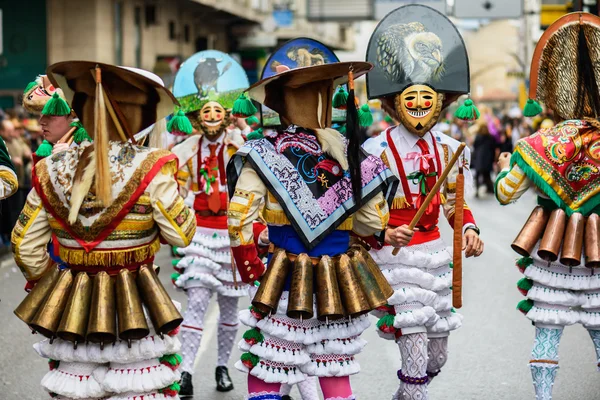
{"type": "Point", "coordinates": [224, 383]}
{"type": "Point", "coordinates": [186, 387]}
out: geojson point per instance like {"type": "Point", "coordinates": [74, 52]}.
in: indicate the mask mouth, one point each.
{"type": "Point", "coordinates": [213, 123]}
{"type": "Point", "coordinates": [418, 114]}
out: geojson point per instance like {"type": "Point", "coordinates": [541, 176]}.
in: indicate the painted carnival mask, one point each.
{"type": "Point", "coordinates": [418, 108]}
{"type": "Point", "coordinates": [214, 118]}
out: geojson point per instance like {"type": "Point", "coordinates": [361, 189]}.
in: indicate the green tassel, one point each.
{"type": "Point", "coordinates": [257, 134]}
{"type": "Point", "coordinates": [253, 334]}
{"type": "Point", "coordinates": [252, 120]}
{"type": "Point", "coordinates": [365, 118]}
{"type": "Point", "coordinates": [171, 359]}
{"type": "Point", "coordinates": [175, 276]}
{"type": "Point", "coordinates": [251, 358]}
{"type": "Point", "coordinates": [175, 387]}
{"type": "Point", "coordinates": [179, 124]}
{"type": "Point", "coordinates": [175, 262]}
{"type": "Point", "coordinates": [174, 250]}
{"type": "Point", "coordinates": [56, 106]}
{"type": "Point", "coordinates": [386, 320]}
{"type": "Point", "coordinates": [340, 99]}
{"type": "Point", "coordinates": [44, 150]}
{"type": "Point", "coordinates": [525, 284]}
{"type": "Point", "coordinates": [532, 108]}
{"type": "Point", "coordinates": [388, 119]}
{"type": "Point", "coordinates": [30, 86]}
{"type": "Point", "coordinates": [243, 107]}
{"type": "Point", "coordinates": [524, 262]}
{"type": "Point", "coordinates": [451, 265]}
{"type": "Point", "coordinates": [525, 306]}
{"type": "Point", "coordinates": [468, 111]}
{"type": "Point", "coordinates": [80, 134]}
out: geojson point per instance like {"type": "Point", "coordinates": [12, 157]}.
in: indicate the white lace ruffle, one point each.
{"type": "Point", "coordinates": [350, 346]}
{"type": "Point", "coordinates": [76, 380]}
{"type": "Point", "coordinates": [198, 250]}
{"type": "Point", "coordinates": [443, 302]}
{"type": "Point", "coordinates": [271, 374]}
{"type": "Point", "coordinates": [198, 264]}
{"type": "Point", "coordinates": [324, 368]}
{"type": "Point", "coordinates": [448, 321]}
{"type": "Point", "coordinates": [191, 279]}
{"type": "Point", "coordinates": [558, 276]}
{"type": "Point", "coordinates": [146, 348]}
{"type": "Point", "coordinates": [413, 295]}
{"type": "Point", "coordinates": [424, 316]}
{"type": "Point", "coordinates": [428, 255]}
{"type": "Point", "coordinates": [138, 396]}
{"type": "Point", "coordinates": [145, 376]}
{"type": "Point", "coordinates": [590, 300]}
{"type": "Point", "coordinates": [402, 277]}
{"type": "Point", "coordinates": [549, 316]}
{"type": "Point", "coordinates": [280, 354]}
{"type": "Point", "coordinates": [211, 238]}
{"type": "Point", "coordinates": [590, 319]}
{"type": "Point", "coordinates": [549, 295]}
{"type": "Point", "coordinates": [231, 291]}
{"type": "Point", "coordinates": [258, 394]}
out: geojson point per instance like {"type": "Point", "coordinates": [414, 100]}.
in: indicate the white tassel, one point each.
{"type": "Point", "coordinates": [333, 143]}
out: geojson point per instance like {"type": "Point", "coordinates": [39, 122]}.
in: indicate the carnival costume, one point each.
{"type": "Point", "coordinates": [206, 86]}
{"type": "Point", "coordinates": [8, 178]}
{"type": "Point", "coordinates": [309, 310]}
{"type": "Point", "coordinates": [110, 204]}
{"type": "Point", "coordinates": [559, 242]}
{"type": "Point", "coordinates": [418, 57]}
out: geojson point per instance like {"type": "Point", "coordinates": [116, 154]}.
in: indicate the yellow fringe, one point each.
{"type": "Point", "coordinates": [169, 168]}
{"type": "Point", "coordinates": [278, 217]}
{"type": "Point", "coordinates": [442, 198]}
{"type": "Point", "coordinates": [400, 203]}
{"type": "Point", "coordinates": [110, 257]}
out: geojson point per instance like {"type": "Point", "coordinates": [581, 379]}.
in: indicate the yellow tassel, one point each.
{"type": "Point", "coordinates": [442, 198]}
{"type": "Point", "coordinates": [169, 168]}
{"type": "Point", "coordinates": [400, 203]}
{"type": "Point", "coordinates": [112, 257]}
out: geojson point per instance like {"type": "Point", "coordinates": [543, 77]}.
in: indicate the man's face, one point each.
{"type": "Point", "coordinates": [54, 127]}
{"type": "Point", "coordinates": [7, 130]}
{"type": "Point", "coordinates": [213, 117]}
{"type": "Point", "coordinates": [418, 107]}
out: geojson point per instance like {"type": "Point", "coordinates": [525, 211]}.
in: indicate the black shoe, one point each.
{"type": "Point", "coordinates": [286, 397]}
{"type": "Point", "coordinates": [224, 383]}
{"type": "Point", "coordinates": [186, 387]}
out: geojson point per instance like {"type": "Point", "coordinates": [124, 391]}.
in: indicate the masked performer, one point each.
{"type": "Point", "coordinates": [562, 164]}
{"type": "Point", "coordinates": [8, 177]}
{"type": "Point", "coordinates": [314, 196]}
{"type": "Point", "coordinates": [206, 86]}
{"type": "Point", "coordinates": [420, 67]}
{"type": "Point", "coordinates": [110, 204]}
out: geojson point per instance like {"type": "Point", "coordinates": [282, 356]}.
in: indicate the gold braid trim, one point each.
{"type": "Point", "coordinates": [278, 217]}
{"type": "Point", "coordinates": [109, 257]}
{"type": "Point", "coordinates": [400, 203]}
{"type": "Point", "coordinates": [10, 179]}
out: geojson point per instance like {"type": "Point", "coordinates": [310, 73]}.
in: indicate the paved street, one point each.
{"type": "Point", "coordinates": [488, 355]}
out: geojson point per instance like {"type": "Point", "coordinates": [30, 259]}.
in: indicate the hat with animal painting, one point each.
{"type": "Point", "coordinates": [420, 66]}
{"type": "Point", "coordinates": [207, 85]}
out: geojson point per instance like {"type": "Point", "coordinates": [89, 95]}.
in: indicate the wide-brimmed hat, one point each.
{"type": "Point", "coordinates": [123, 85]}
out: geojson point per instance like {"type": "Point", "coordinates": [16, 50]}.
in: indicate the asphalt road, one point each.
{"type": "Point", "coordinates": [488, 355]}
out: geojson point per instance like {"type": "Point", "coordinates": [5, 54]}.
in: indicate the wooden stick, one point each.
{"type": "Point", "coordinates": [434, 190]}
{"type": "Point", "coordinates": [458, 238]}
{"type": "Point", "coordinates": [68, 137]}
{"type": "Point", "coordinates": [113, 116]}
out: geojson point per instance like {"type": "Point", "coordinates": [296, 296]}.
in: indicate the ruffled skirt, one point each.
{"type": "Point", "coordinates": [421, 276]}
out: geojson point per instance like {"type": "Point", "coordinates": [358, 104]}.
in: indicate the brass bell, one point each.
{"type": "Point", "coordinates": [329, 301]}
{"type": "Point", "coordinates": [592, 242]}
{"type": "Point", "coordinates": [102, 325]}
{"type": "Point", "coordinates": [48, 316]}
{"type": "Point", "coordinates": [300, 302]}
{"type": "Point", "coordinates": [74, 321]}
{"type": "Point", "coordinates": [354, 300]}
{"type": "Point", "coordinates": [553, 235]}
{"type": "Point", "coordinates": [271, 285]}
{"type": "Point", "coordinates": [531, 232]}
{"type": "Point", "coordinates": [382, 282]}
{"type": "Point", "coordinates": [367, 281]}
{"type": "Point", "coordinates": [130, 313]}
{"type": "Point", "coordinates": [164, 315]}
{"type": "Point", "coordinates": [34, 299]}
{"type": "Point", "coordinates": [573, 241]}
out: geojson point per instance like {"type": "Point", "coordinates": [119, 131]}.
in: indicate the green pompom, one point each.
{"type": "Point", "coordinates": [171, 359]}
{"type": "Point", "coordinates": [386, 321]}
{"type": "Point", "coordinates": [44, 150]}
{"type": "Point", "coordinates": [340, 99]}
{"type": "Point", "coordinates": [249, 360]}
{"type": "Point", "coordinates": [179, 124]}
{"type": "Point", "coordinates": [175, 262]}
{"type": "Point", "coordinates": [525, 306]}
{"type": "Point", "coordinates": [175, 276]}
{"type": "Point", "coordinates": [532, 108]}
{"type": "Point", "coordinates": [56, 106]}
{"type": "Point", "coordinates": [243, 107]}
{"type": "Point", "coordinates": [365, 118]}
{"type": "Point", "coordinates": [252, 120]}
{"type": "Point", "coordinates": [524, 262]}
{"type": "Point", "coordinates": [80, 134]}
{"type": "Point", "coordinates": [253, 335]}
{"type": "Point", "coordinates": [468, 111]}
{"type": "Point", "coordinates": [257, 134]}
{"type": "Point", "coordinates": [30, 86]}
{"type": "Point", "coordinates": [175, 251]}
{"type": "Point", "coordinates": [175, 387]}
{"type": "Point", "coordinates": [525, 284]}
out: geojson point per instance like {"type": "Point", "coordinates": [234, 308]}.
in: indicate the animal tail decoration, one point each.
{"type": "Point", "coordinates": [353, 133]}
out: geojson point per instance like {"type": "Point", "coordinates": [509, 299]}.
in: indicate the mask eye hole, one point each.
{"type": "Point", "coordinates": [428, 97]}
{"type": "Point", "coordinates": [409, 98]}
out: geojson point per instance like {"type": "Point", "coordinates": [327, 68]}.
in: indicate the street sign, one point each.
{"type": "Point", "coordinates": [488, 9]}
{"type": "Point", "coordinates": [384, 7]}
{"type": "Point", "coordinates": [339, 10]}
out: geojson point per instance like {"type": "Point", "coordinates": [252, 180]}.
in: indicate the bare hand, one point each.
{"type": "Point", "coordinates": [400, 236]}
{"type": "Point", "coordinates": [472, 244]}
{"type": "Point", "coordinates": [264, 237]}
{"type": "Point", "coordinates": [58, 147]}
{"type": "Point", "coordinates": [504, 160]}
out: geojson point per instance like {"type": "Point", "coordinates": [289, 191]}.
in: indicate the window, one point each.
{"type": "Point", "coordinates": [186, 33]}
{"type": "Point", "coordinates": [138, 36]}
{"type": "Point", "coordinates": [172, 35]}
{"type": "Point", "coordinates": [118, 32]}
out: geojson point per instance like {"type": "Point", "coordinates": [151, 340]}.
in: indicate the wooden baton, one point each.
{"type": "Point", "coordinates": [457, 245]}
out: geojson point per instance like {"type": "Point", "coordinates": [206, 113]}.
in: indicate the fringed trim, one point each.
{"type": "Point", "coordinates": [198, 250]}
{"type": "Point", "coordinates": [225, 275]}
{"type": "Point", "coordinates": [429, 255]}
{"type": "Point", "coordinates": [143, 396]}
{"type": "Point", "coordinates": [216, 240]}
{"type": "Point", "coordinates": [146, 348]}
{"type": "Point", "coordinates": [247, 318]}
{"type": "Point", "coordinates": [200, 263]}
{"type": "Point", "coordinates": [560, 277]}
{"type": "Point", "coordinates": [264, 396]}
{"type": "Point", "coordinates": [549, 316]}
{"type": "Point", "coordinates": [413, 295]}
{"type": "Point", "coordinates": [589, 300]}
{"type": "Point", "coordinates": [145, 376]}
{"type": "Point", "coordinates": [273, 373]}
{"type": "Point", "coordinates": [424, 316]}
{"type": "Point", "coordinates": [276, 352]}
{"type": "Point", "coordinates": [109, 257]}
{"type": "Point", "coordinates": [76, 380]}
{"type": "Point", "coordinates": [399, 277]}
{"type": "Point", "coordinates": [228, 290]}
{"type": "Point", "coordinates": [446, 323]}
{"type": "Point", "coordinates": [343, 366]}
{"type": "Point", "coordinates": [349, 346]}
{"type": "Point", "coordinates": [311, 331]}
{"type": "Point", "coordinates": [400, 203]}
{"type": "Point", "coordinates": [590, 319]}
{"type": "Point", "coordinates": [197, 279]}
{"type": "Point", "coordinates": [443, 302]}
{"type": "Point", "coordinates": [555, 296]}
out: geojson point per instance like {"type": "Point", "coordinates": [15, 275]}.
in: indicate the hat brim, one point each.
{"type": "Point", "coordinates": [64, 75]}
{"type": "Point", "coordinates": [336, 72]}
